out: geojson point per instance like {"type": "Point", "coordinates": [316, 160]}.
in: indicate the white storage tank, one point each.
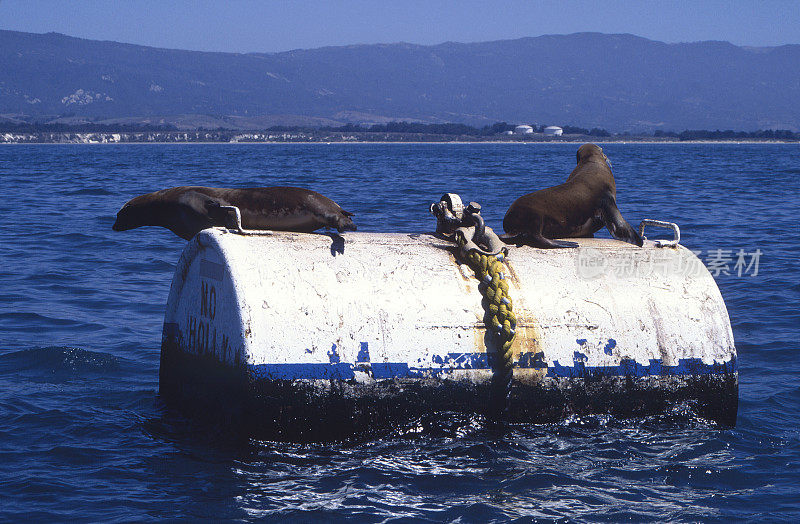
{"type": "Point", "coordinates": [523, 130]}
{"type": "Point", "coordinates": [308, 336]}
{"type": "Point", "coordinates": [553, 131]}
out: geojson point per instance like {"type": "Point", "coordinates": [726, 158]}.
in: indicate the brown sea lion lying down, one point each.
{"type": "Point", "coordinates": [186, 210]}
{"type": "Point", "coordinates": [577, 208]}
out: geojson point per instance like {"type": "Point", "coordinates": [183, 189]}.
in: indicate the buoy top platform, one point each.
{"type": "Point", "coordinates": [380, 327]}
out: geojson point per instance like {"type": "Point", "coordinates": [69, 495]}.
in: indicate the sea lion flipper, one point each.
{"type": "Point", "coordinates": [207, 206]}
{"type": "Point", "coordinates": [547, 243]}
{"type": "Point", "coordinates": [215, 212]}
{"type": "Point", "coordinates": [205, 210]}
{"type": "Point", "coordinates": [516, 239]}
{"type": "Point", "coordinates": [565, 244]}
{"type": "Point", "coordinates": [535, 238]}
{"type": "Point", "coordinates": [625, 232]}
{"type": "Point", "coordinates": [618, 226]}
{"type": "Point", "coordinates": [542, 242]}
{"type": "Point", "coordinates": [196, 201]}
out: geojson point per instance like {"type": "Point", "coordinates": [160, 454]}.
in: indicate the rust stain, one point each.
{"type": "Point", "coordinates": [528, 338]}
{"type": "Point", "coordinates": [455, 261]}
{"type": "Point", "coordinates": [511, 271]}
{"type": "Point", "coordinates": [479, 334]}
{"type": "Point", "coordinates": [527, 341]}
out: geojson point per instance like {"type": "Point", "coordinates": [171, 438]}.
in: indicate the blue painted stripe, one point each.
{"type": "Point", "coordinates": [363, 352]}
{"type": "Point", "coordinates": [390, 369]}
{"type": "Point", "coordinates": [457, 361]}
{"type": "Point", "coordinates": [626, 368]}
{"type": "Point", "coordinates": [463, 360]}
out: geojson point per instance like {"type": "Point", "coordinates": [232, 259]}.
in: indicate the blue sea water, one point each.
{"type": "Point", "coordinates": [85, 437]}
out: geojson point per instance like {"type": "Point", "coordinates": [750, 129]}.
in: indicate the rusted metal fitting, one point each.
{"type": "Point", "coordinates": [473, 208]}
{"type": "Point", "coordinates": [449, 213]}
{"type": "Point", "coordinates": [467, 226]}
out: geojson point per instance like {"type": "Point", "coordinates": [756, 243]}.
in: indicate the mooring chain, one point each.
{"type": "Point", "coordinates": [479, 249]}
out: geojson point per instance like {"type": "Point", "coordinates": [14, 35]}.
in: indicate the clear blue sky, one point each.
{"type": "Point", "coordinates": [265, 26]}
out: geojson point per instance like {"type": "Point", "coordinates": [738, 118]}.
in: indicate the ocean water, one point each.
{"type": "Point", "coordinates": [85, 437]}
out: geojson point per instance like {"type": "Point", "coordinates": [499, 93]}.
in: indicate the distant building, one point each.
{"type": "Point", "coordinates": [553, 131]}
{"type": "Point", "coordinates": [508, 132]}
{"type": "Point", "coordinates": [523, 130]}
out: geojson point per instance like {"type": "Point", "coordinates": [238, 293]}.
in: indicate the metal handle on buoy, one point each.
{"type": "Point", "coordinates": [676, 232]}
{"type": "Point", "coordinates": [238, 226]}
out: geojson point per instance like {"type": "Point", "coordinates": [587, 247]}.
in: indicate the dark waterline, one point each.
{"type": "Point", "coordinates": [83, 435]}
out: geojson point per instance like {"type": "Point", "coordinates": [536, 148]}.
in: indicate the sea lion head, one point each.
{"type": "Point", "coordinates": [344, 222]}
{"type": "Point", "coordinates": [133, 214]}
{"type": "Point", "coordinates": [590, 151]}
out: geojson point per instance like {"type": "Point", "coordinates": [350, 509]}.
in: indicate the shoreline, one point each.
{"type": "Point", "coordinates": [409, 142]}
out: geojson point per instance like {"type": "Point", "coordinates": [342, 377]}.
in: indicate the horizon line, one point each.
{"type": "Point", "coordinates": [397, 43]}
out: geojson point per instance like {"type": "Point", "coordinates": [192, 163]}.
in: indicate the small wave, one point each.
{"type": "Point", "coordinates": [705, 476]}
{"type": "Point", "coordinates": [56, 359]}
{"type": "Point", "coordinates": [449, 425]}
{"type": "Point", "coordinates": [677, 417]}
{"type": "Point", "coordinates": [25, 321]}
{"type": "Point", "coordinates": [23, 317]}
{"type": "Point", "coordinates": [96, 191]}
{"type": "Point", "coordinates": [74, 236]}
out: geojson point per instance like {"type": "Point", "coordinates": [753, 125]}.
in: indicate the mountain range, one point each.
{"type": "Point", "coordinates": [620, 82]}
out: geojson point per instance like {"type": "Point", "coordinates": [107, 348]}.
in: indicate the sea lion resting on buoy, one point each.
{"type": "Point", "coordinates": [187, 210]}
{"type": "Point", "coordinates": [577, 208]}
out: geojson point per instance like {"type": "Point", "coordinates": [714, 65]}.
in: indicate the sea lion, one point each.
{"type": "Point", "coordinates": [577, 208]}
{"type": "Point", "coordinates": [187, 210]}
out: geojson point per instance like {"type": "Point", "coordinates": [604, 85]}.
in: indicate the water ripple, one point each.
{"type": "Point", "coordinates": [84, 436]}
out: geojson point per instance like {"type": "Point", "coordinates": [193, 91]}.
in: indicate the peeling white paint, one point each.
{"type": "Point", "coordinates": [293, 298]}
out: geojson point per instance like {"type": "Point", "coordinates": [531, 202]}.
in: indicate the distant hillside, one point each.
{"type": "Point", "coordinates": [619, 82]}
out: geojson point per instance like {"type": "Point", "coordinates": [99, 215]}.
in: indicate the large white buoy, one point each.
{"type": "Point", "coordinates": [312, 336]}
